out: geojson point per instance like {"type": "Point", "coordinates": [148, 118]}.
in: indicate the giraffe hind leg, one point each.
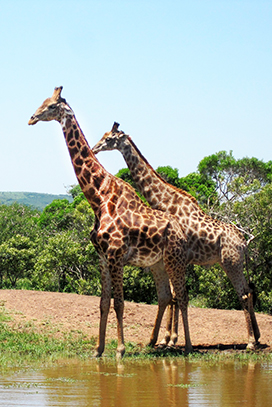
{"type": "Point", "coordinates": [248, 300]}
{"type": "Point", "coordinates": [235, 274]}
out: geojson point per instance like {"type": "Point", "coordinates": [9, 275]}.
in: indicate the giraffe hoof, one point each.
{"type": "Point", "coordinates": [253, 345]}
{"type": "Point", "coordinates": [161, 346]}
{"type": "Point", "coordinates": [97, 353]}
{"type": "Point", "coordinates": [151, 343]}
{"type": "Point", "coordinates": [164, 342]}
{"type": "Point", "coordinates": [188, 349]}
{"type": "Point", "coordinates": [120, 352]}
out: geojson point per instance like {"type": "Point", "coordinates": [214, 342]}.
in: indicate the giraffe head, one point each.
{"type": "Point", "coordinates": [111, 140]}
{"type": "Point", "coordinates": [51, 108]}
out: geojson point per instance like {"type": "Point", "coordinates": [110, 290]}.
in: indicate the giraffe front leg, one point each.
{"type": "Point", "coordinates": [169, 320]}
{"type": "Point", "coordinates": [104, 311]}
{"type": "Point", "coordinates": [117, 279]}
{"type": "Point", "coordinates": [171, 334]}
{"type": "Point", "coordinates": [175, 322]}
{"type": "Point", "coordinates": [183, 300]}
{"type": "Point", "coordinates": [188, 343]}
{"type": "Point", "coordinates": [155, 332]}
{"type": "Point", "coordinates": [175, 265]}
{"type": "Point", "coordinates": [175, 262]}
{"type": "Point", "coordinates": [164, 298]}
{"type": "Point", "coordinates": [104, 307]}
{"type": "Point", "coordinates": [119, 309]}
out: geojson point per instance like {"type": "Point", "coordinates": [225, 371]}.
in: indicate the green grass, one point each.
{"type": "Point", "coordinates": [21, 345]}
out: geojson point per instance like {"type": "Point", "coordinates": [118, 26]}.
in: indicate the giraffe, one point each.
{"type": "Point", "coordinates": [209, 240]}
{"type": "Point", "coordinates": [126, 230]}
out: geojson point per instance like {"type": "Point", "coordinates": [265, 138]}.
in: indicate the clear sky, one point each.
{"type": "Point", "coordinates": [185, 79]}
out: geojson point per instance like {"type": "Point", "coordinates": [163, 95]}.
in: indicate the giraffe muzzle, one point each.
{"type": "Point", "coordinates": [33, 120]}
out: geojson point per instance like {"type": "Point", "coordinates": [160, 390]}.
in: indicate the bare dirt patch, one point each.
{"type": "Point", "coordinates": [71, 312]}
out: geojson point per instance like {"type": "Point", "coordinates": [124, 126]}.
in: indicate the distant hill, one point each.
{"type": "Point", "coordinates": [33, 199]}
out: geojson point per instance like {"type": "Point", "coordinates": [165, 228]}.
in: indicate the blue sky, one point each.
{"type": "Point", "coordinates": [185, 79]}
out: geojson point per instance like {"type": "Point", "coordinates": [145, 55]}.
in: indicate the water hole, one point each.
{"type": "Point", "coordinates": [165, 383]}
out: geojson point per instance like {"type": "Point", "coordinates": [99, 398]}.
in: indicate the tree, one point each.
{"type": "Point", "coordinates": [235, 179]}
{"type": "Point", "coordinates": [169, 174]}
{"type": "Point", "coordinates": [125, 175]}
{"type": "Point", "coordinates": [63, 262]}
{"type": "Point", "coordinates": [74, 190]}
{"type": "Point", "coordinates": [82, 217]}
{"type": "Point", "coordinates": [16, 259]}
{"type": "Point", "coordinates": [255, 214]}
{"type": "Point", "coordinates": [56, 216]}
{"type": "Point", "coordinates": [199, 186]}
{"type": "Point", "coordinates": [18, 219]}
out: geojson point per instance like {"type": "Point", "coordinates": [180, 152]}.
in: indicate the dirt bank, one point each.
{"type": "Point", "coordinates": [72, 312]}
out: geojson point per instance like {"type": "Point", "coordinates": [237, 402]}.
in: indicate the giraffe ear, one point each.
{"type": "Point", "coordinates": [56, 94]}
{"type": "Point", "coordinates": [115, 127]}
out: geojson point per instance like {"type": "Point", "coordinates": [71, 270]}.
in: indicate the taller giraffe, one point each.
{"type": "Point", "coordinates": [126, 231]}
{"type": "Point", "coordinates": [209, 240]}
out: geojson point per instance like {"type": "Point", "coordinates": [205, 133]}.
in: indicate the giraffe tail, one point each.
{"type": "Point", "coordinates": [250, 283]}
{"type": "Point", "coordinates": [247, 264]}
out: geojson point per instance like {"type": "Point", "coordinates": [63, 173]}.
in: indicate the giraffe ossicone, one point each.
{"type": "Point", "coordinates": [209, 241]}
{"type": "Point", "coordinates": [126, 231]}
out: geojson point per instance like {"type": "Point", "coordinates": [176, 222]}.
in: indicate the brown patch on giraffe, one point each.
{"type": "Point", "coordinates": [73, 152]}
{"type": "Point", "coordinates": [84, 152]}
{"type": "Point", "coordinates": [202, 233]}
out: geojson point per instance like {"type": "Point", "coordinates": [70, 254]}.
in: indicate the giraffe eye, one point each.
{"type": "Point", "coordinates": [51, 107]}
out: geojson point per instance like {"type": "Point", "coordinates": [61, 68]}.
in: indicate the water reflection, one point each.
{"type": "Point", "coordinates": [165, 383]}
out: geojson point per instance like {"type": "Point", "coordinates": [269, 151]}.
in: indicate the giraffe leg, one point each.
{"type": "Point", "coordinates": [234, 271]}
{"type": "Point", "coordinates": [175, 264]}
{"type": "Point", "coordinates": [164, 298]}
{"type": "Point", "coordinates": [252, 326]}
{"type": "Point", "coordinates": [175, 322]}
{"type": "Point", "coordinates": [171, 334]}
{"type": "Point", "coordinates": [104, 307]}
{"type": "Point", "coordinates": [184, 313]}
{"type": "Point", "coordinates": [117, 280]}
{"type": "Point", "coordinates": [169, 321]}
{"type": "Point", "coordinates": [179, 288]}
{"type": "Point", "coordinates": [155, 332]}
{"type": "Point", "coordinates": [252, 314]}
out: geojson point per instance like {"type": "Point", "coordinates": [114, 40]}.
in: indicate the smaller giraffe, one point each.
{"type": "Point", "coordinates": [126, 231]}
{"type": "Point", "coordinates": [209, 241]}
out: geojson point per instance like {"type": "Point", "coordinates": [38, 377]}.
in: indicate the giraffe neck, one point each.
{"type": "Point", "coordinates": [152, 186]}
{"type": "Point", "coordinates": [95, 182]}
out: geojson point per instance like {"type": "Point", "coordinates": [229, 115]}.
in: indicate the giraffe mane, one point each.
{"type": "Point", "coordinates": [185, 193]}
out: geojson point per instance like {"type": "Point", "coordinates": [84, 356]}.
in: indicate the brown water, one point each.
{"type": "Point", "coordinates": [162, 383]}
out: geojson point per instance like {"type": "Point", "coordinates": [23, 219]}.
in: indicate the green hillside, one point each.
{"type": "Point", "coordinates": [33, 199]}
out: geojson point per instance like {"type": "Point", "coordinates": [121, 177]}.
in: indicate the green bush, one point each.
{"type": "Point", "coordinates": [139, 285]}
